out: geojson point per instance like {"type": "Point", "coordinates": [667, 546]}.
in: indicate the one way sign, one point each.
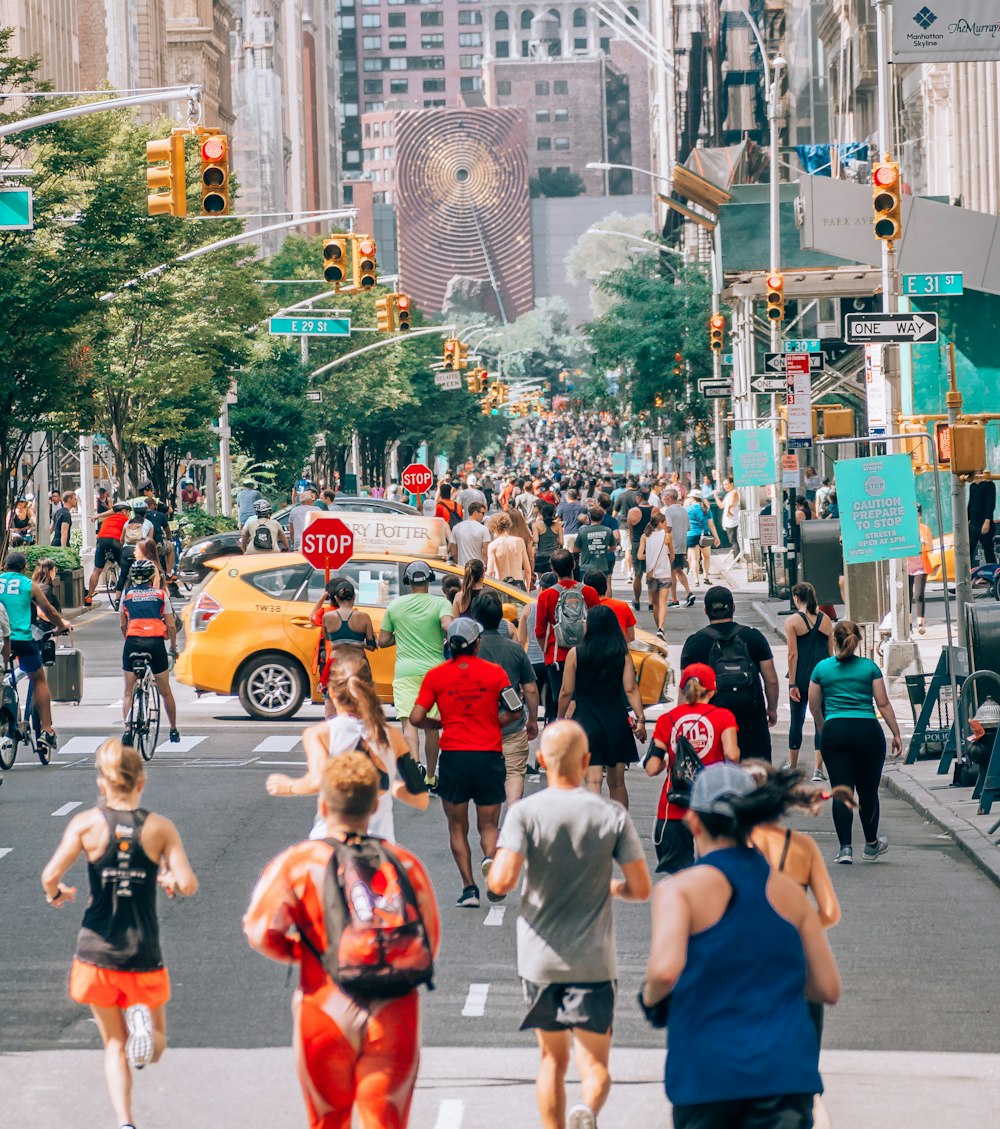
{"type": "Point", "coordinates": [775, 362]}
{"type": "Point", "coordinates": [862, 328]}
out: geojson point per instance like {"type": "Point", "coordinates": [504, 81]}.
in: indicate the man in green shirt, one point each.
{"type": "Point", "coordinates": [415, 625]}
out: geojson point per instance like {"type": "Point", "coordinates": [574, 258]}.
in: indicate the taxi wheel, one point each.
{"type": "Point", "coordinates": [272, 686]}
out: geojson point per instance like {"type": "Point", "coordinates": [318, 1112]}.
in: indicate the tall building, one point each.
{"type": "Point", "coordinates": [197, 34]}
{"type": "Point", "coordinates": [124, 44]}
{"type": "Point", "coordinates": [47, 28]}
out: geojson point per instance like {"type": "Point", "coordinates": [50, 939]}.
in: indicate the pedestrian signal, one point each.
{"type": "Point", "coordinates": [165, 170]}
{"type": "Point", "coordinates": [215, 175]}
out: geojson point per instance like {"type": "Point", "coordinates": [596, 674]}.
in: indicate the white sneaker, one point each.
{"type": "Point", "coordinates": [581, 1117]}
{"type": "Point", "coordinates": [139, 1044]}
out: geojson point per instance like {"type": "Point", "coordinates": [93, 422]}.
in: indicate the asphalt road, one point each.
{"type": "Point", "coordinates": [913, 945]}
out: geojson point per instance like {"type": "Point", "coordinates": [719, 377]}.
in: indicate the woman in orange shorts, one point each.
{"type": "Point", "coordinates": [350, 1051]}
{"type": "Point", "coordinates": [118, 967]}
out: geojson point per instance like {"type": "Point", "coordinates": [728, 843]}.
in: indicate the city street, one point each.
{"type": "Point", "coordinates": [911, 1039]}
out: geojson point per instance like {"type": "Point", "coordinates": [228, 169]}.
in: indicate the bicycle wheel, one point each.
{"type": "Point", "coordinates": [8, 739]}
{"type": "Point", "coordinates": [151, 726]}
{"type": "Point", "coordinates": [111, 582]}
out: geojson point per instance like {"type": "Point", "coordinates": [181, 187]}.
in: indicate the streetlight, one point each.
{"type": "Point", "coordinates": [636, 239]}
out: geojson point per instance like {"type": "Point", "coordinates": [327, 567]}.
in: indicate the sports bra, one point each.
{"type": "Point", "coordinates": [345, 633]}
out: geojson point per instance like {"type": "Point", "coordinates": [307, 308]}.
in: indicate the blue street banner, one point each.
{"type": "Point", "coordinates": [619, 462]}
{"type": "Point", "coordinates": [635, 465]}
{"type": "Point", "coordinates": [753, 457]}
{"type": "Point", "coordinates": [878, 508]}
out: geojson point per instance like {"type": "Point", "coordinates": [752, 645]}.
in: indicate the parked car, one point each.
{"type": "Point", "coordinates": [248, 629]}
{"type": "Point", "coordinates": [193, 562]}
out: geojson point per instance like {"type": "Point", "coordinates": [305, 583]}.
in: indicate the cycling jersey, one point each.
{"type": "Point", "coordinates": [15, 596]}
{"type": "Point", "coordinates": [144, 609]}
{"type": "Point", "coordinates": [112, 526]}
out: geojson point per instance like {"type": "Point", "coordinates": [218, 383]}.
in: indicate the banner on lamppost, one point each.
{"type": "Point", "coordinates": [878, 508]}
{"type": "Point", "coordinates": [945, 31]}
{"type": "Point", "coordinates": [753, 457]}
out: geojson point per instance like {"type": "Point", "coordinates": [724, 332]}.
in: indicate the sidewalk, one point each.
{"type": "Point", "coordinates": [933, 796]}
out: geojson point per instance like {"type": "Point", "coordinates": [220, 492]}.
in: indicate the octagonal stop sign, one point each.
{"type": "Point", "coordinates": [327, 543]}
{"type": "Point", "coordinates": [417, 478]}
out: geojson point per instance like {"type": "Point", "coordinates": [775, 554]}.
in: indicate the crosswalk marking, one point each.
{"type": "Point", "coordinates": [4, 851]}
{"type": "Point", "coordinates": [495, 916]}
{"type": "Point", "coordinates": [184, 745]}
{"type": "Point", "coordinates": [66, 808]}
{"type": "Point", "coordinates": [82, 746]}
{"type": "Point", "coordinates": [475, 1001]}
{"type": "Point", "coordinates": [214, 699]}
{"type": "Point", "coordinates": [280, 744]}
{"type": "Point", "coordinates": [450, 1113]}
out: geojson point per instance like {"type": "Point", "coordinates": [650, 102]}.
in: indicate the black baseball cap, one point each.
{"type": "Point", "coordinates": [718, 601]}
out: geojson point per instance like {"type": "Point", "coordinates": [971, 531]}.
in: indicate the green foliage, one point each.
{"type": "Point", "coordinates": [65, 556]}
{"type": "Point", "coordinates": [557, 182]}
{"type": "Point", "coordinates": [195, 523]}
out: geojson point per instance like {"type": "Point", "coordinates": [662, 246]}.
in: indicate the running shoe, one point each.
{"type": "Point", "coordinates": [531, 770]}
{"type": "Point", "coordinates": [432, 783]}
{"type": "Point", "coordinates": [635, 605]}
{"type": "Point", "coordinates": [873, 850]}
{"type": "Point", "coordinates": [786, 766]}
{"type": "Point", "coordinates": [689, 602]}
{"type": "Point", "coordinates": [845, 855]}
{"type": "Point", "coordinates": [819, 776]}
{"type": "Point", "coordinates": [659, 632]}
{"type": "Point", "coordinates": [649, 607]}
{"type": "Point", "coordinates": [175, 736]}
{"type": "Point", "coordinates": [127, 737]}
{"type": "Point", "coordinates": [422, 769]}
{"type": "Point", "coordinates": [469, 898]}
{"type": "Point", "coordinates": [139, 1044]}
{"type": "Point", "coordinates": [581, 1117]}
{"type": "Point", "coordinates": [88, 601]}
{"type": "Point", "coordinates": [673, 604]}
{"type": "Point", "coordinates": [490, 896]}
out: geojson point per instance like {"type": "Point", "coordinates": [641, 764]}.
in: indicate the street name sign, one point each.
{"type": "Point", "coordinates": [716, 389]}
{"type": "Point", "coordinates": [930, 285]}
{"type": "Point", "coordinates": [16, 209]}
{"type": "Point", "coordinates": [315, 395]}
{"type": "Point", "coordinates": [311, 327]}
{"type": "Point", "coordinates": [775, 362]}
{"type": "Point", "coordinates": [768, 384]}
{"type": "Point", "coordinates": [448, 381]}
{"type": "Point", "coordinates": [862, 328]}
{"type": "Point", "coordinates": [804, 345]}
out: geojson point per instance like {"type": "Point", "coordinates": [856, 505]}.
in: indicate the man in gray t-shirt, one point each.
{"type": "Point", "coordinates": [297, 518]}
{"type": "Point", "coordinates": [567, 839]}
{"type": "Point", "coordinates": [677, 515]}
{"type": "Point", "coordinates": [470, 537]}
{"type": "Point", "coordinates": [245, 498]}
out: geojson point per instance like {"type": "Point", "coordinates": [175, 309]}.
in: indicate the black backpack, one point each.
{"type": "Point", "coordinates": [737, 676]}
{"type": "Point", "coordinates": [262, 539]}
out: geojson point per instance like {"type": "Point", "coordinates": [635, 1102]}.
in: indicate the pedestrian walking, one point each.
{"type": "Point", "coordinates": [595, 542]}
{"type": "Point", "coordinates": [561, 618]}
{"type": "Point", "coordinates": [598, 580]}
{"type": "Point", "coordinates": [637, 520]}
{"type": "Point", "coordinates": [918, 568]}
{"type": "Point", "coordinates": [809, 635]}
{"type": "Point", "coordinates": [743, 1052]}
{"type": "Point", "coordinates": [712, 733]}
{"type": "Point", "coordinates": [742, 660]}
{"type": "Point", "coordinates": [547, 532]}
{"type": "Point", "coordinates": [981, 505]}
{"type": "Point", "coordinates": [843, 693]}
{"type": "Point", "coordinates": [677, 515]}
{"type": "Point", "coordinates": [507, 556]}
{"type": "Point", "coordinates": [598, 687]}
{"type": "Point", "coordinates": [567, 840]}
{"type": "Point", "coordinates": [470, 537]}
{"type": "Point", "coordinates": [656, 553]}
{"type": "Point", "coordinates": [415, 624]}
{"type": "Point", "coordinates": [360, 919]}
{"type": "Point", "coordinates": [527, 638]}
{"type": "Point", "coordinates": [702, 537]}
{"type": "Point", "coordinates": [731, 505]}
{"type": "Point", "coordinates": [118, 966]}
{"type": "Point", "coordinates": [472, 700]}
{"type": "Point", "coordinates": [519, 528]}
{"type": "Point", "coordinates": [472, 585]}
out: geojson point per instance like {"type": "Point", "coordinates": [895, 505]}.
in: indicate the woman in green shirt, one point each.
{"type": "Point", "coordinates": [843, 693]}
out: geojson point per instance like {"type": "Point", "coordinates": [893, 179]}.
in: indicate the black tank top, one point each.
{"type": "Point", "coordinates": [120, 930]}
{"type": "Point", "coordinates": [640, 526]}
{"type": "Point", "coordinates": [548, 542]}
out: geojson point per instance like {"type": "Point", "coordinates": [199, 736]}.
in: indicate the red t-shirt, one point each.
{"type": "Point", "coordinates": [545, 617]}
{"type": "Point", "coordinates": [703, 725]}
{"type": "Point", "coordinates": [112, 526]}
{"type": "Point", "coordinates": [623, 613]}
{"type": "Point", "coordinates": [467, 693]}
{"type": "Point", "coordinates": [446, 507]}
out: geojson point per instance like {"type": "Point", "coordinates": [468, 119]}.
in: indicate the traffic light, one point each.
{"type": "Point", "coordinates": [463, 354]}
{"type": "Point", "coordinates": [886, 201]}
{"type": "Point", "coordinates": [364, 262]}
{"type": "Point", "coordinates": [170, 176]}
{"type": "Point", "coordinates": [503, 392]}
{"type": "Point", "coordinates": [717, 331]}
{"type": "Point", "coordinates": [401, 308]}
{"type": "Point", "coordinates": [679, 364]}
{"type": "Point", "coordinates": [482, 378]}
{"type": "Point", "coordinates": [451, 354]}
{"type": "Point", "coordinates": [335, 259]}
{"type": "Point", "coordinates": [775, 299]}
{"type": "Point", "coordinates": [215, 175]}
{"type": "Point", "coordinates": [384, 308]}
{"type": "Point", "coordinates": [472, 383]}
{"type": "Point", "coordinates": [942, 441]}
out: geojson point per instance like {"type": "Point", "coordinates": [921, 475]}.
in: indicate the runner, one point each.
{"type": "Point", "coordinates": [507, 557]}
{"type": "Point", "coordinates": [809, 635]}
{"type": "Point", "coordinates": [357, 724]}
{"type": "Point", "coordinates": [623, 613]}
{"type": "Point", "coordinates": [536, 656]}
{"type": "Point", "coordinates": [547, 533]}
{"type": "Point", "coordinates": [109, 538]}
{"type": "Point", "coordinates": [472, 585]}
{"type": "Point", "coordinates": [475, 701]}
{"type": "Point", "coordinates": [561, 618]}
{"type": "Point", "coordinates": [352, 1048]}
{"type": "Point", "coordinates": [147, 622]}
{"type": "Point", "coordinates": [415, 624]}
{"type": "Point", "coordinates": [343, 623]}
{"type": "Point", "coordinates": [118, 966]}
{"type": "Point", "coordinates": [637, 519]}
{"type": "Point", "coordinates": [677, 516]}
{"type": "Point", "coordinates": [567, 840]}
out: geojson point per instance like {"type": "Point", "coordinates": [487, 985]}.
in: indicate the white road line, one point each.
{"type": "Point", "coordinates": [495, 916]}
{"type": "Point", "coordinates": [184, 745]}
{"type": "Point", "coordinates": [213, 700]}
{"type": "Point", "coordinates": [450, 1112]}
{"type": "Point", "coordinates": [81, 746]}
{"type": "Point", "coordinates": [114, 705]}
{"type": "Point", "coordinates": [219, 763]}
{"type": "Point", "coordinates": [4, 851]}
{"type": "Point", "coordinates": [68, 807]}
{"type": "Point", "coordinates": [281, 744]}
{"type": "Point", "coordinates": [297, 764]}
{"type": "Point", "coordinates": [475, 1001]}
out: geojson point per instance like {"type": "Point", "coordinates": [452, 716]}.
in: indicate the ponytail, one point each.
{"type": "Point", "coordinates": [694, 693]}
{"type": "Point", "coordinates": [475, 570]}
{"type": "Point", "coordinates": [805, 592]}
{"type": "Point", "coordinates": [778, 791]}
{"type": "Point", "coordinates": [847, 639]}
{"type": "Point", "coordinates": [350, 686]}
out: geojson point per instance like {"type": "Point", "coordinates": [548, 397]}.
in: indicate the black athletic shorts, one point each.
{"type": "Point", "coordinates": [476, 776]}
{"type": "Point", "coordinates": [561, 1007]}
{"type": "Point", "coordinates": [107, 547]}
{"type": "Point", "coordinates": [674, 845]}
{"type": "Point", "coordinates": [155, 648]}
{"type": "Point", "coordinates": [785, 1111]}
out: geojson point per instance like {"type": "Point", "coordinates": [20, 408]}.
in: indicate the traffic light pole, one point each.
{"type": "Point", "coordinates": [168, 94]}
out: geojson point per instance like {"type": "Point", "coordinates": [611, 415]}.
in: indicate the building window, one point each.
{"type": "Point", "coordinates": [376, 129]}
{"type": "Point", "coordinates": [470, 62]}
{"type": "Point", "coordinates": [466, 18]}
{"type": "Point", "coordinates": [429, 42]}
{"type": "Point", "coordinates": [372, 19]}
{"type": "Point", "coordinates": [503, 88]}
{"type": "Point", "coordinates": [433, 85]}
{"type": "Point", "coordinates": [579, 45]}
{"type": "Point", "coordinates": [606, 45]}
{"type": "Point", "coordinates": [371, 42]}
{"type": "Point", "coordinates": [350, 109]}
{"type": "Point", "coordinates": [526, 18]}
{"type": "Point", "coordinates": [501, 49]}
{"type": "Point", "coordinates": [541, 115]}
{"type": "Point", "coordinates": [349, 66]}
{"type": "Point", "coordinates": [370, 3]}
{"type": "Point", "coordinates": [541, 88]}
{"type": "Point", "coordinates": [389, 153]}
{"type": "Point", "coordinates": [397, 63]}
{"type": "Point", "coordinates": [470, 82]}
{"type": "Point", "coordinates": [560, 86]}
{"type": "Point", "coordinates": [347, 23]}
{"type": "Point", "coordinates": [399, 86]}
{"type": "Point", "coordinates": [393, 3]}
{"type": "Point", "coordinates": [562, 144]}
{"type": "Point", "coordinates": [373, 154]}
{"type": "Point", "coordinates": [544, 144]}
{"type": "Point", "coordinates": [470, 39]}
{"type": "Point", "coordinates": [397, 42]}
{"type": "Point", "coordinates": [501, 21]}
{"type": "Point", "coordinates": [579, 17]}
{"type": "Point", "coordinates": [373, 86]}
{"type": "Point", "coordinates": [433, 103]}
{"type": "Point", "coordinates": [353, 157]}
{"type": "Point", "coordinates": [525, 48]}
{"type": "Point", "coordinates": [562, 115]}
{"type": "Point", "coordinates": [432, 19]}
{"type": "Point", "coordinates": [424, 63]}
{"type": "Point", "coordinates": [372, 64]}
{"type": "Point", "coordinates": [397, 19]}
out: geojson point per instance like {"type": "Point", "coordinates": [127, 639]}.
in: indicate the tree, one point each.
{"type": "Point", "coordinates": [557, 182]}
{"type": "Point", "coordinates": [594, 255]}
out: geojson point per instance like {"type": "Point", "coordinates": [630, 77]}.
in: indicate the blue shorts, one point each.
{"type": "Point", "coordinates": [28, 654]}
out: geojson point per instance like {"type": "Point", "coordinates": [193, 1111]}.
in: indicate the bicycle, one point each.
{"type": "Point", "coordinates": [21, 727]}
{"type": "Point", "coordinates": [109, 577]}
{"type": "Point", "coordinates": [143, 724]}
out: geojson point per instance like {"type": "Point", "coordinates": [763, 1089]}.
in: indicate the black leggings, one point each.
{"type": "Point", "coordinates": [544, 694]}
{"type": "Point", "coordinates": [854, 753]}
{"type": "Point", "coordinates": [918, 586]}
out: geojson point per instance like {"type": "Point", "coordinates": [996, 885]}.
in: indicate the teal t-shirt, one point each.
{"type": "Point", "coordinates": [847, 686]}
{"type": "Point", "coordinates": [15, 595]}
{"type": "Point", "coordinates": [415, 620]}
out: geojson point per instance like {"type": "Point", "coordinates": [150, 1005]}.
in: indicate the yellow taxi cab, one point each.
{"type": "Point", "coordinates": [248, 629]}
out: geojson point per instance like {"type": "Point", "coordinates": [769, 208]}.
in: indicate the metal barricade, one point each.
{"type": "Point", "coordinates": [753, 556]}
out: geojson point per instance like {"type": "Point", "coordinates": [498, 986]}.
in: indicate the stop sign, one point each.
{"type": "Point", "coordinates": [327, 543]}
{"type": "Point", "coordinates": [417, 478]}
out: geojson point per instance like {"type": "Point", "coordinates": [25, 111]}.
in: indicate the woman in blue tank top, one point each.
{"type": "Point", "coordinates": [736, 951]}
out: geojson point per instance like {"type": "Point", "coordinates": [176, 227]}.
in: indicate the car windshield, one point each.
{"type": "Point", "coordinates": [376, 582]}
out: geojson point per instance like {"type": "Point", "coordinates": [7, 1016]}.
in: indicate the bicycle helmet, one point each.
{"type": "Point", "coordinates": [121, 508]}
{"type": "Point", "coordinates": [262, 507]}
{"type": "Point", "coordinates": [142, 572]}
{"type": "Point", "coordinates": [140, 508]}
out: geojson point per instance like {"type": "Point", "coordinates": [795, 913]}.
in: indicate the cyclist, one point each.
{"type": "Point", "coordinates": [132, 535]}
{"type": "Point", "coordinates": [147, 620]}
{"type": "Point", "coordinates": [18, 593]}
{"type": "Point", "coordinates": [261, 533]}
{"type": "Point", "coordinates": [109, 544]}
{"type": "Point", "coordinates": [157, 526]}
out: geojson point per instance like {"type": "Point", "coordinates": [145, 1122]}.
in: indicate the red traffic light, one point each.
{"type": "Point", "coordinates": [885, 176]}
{"type": "Point", "coordinates": [775, 282]}
{"type": "Point", "coordinates": [403, 302]}
{"type": "Point", "coordinates": [213, 148]}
